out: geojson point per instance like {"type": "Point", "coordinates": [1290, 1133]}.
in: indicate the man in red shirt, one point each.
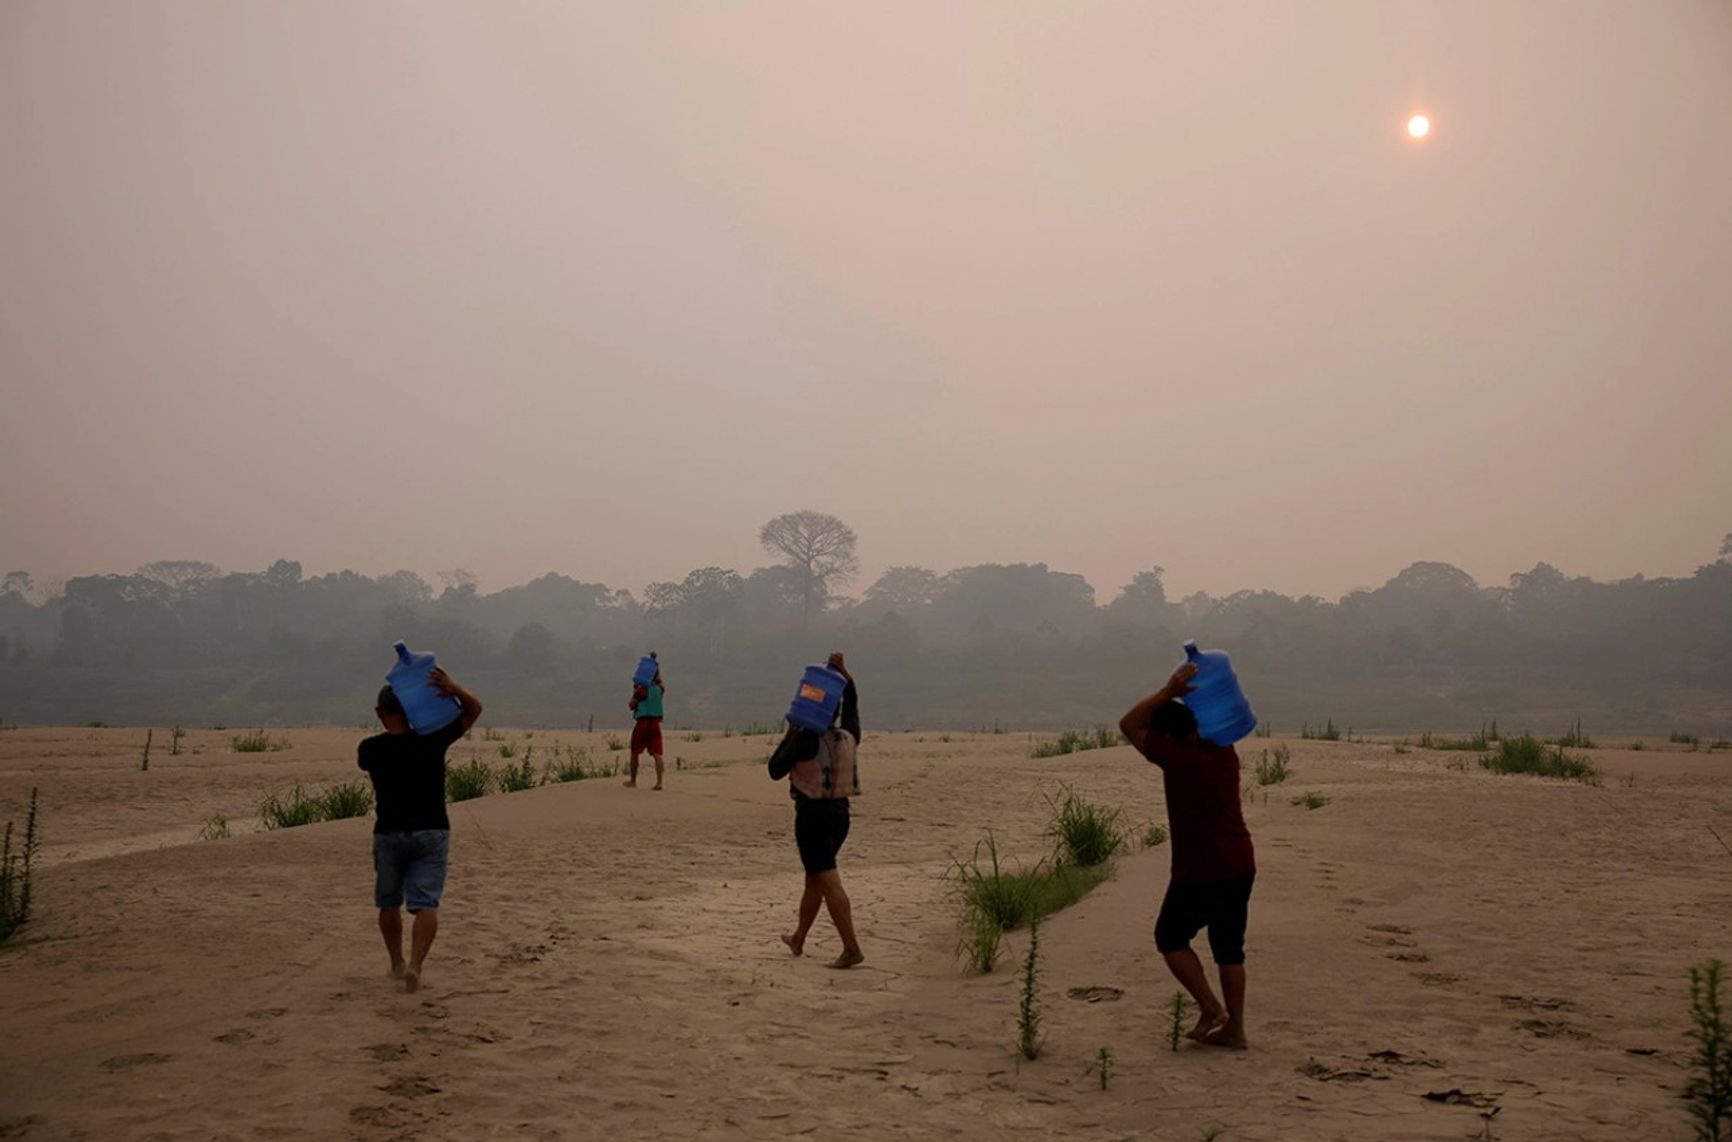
{"type": "Point", "coordinates": [1213, 862]}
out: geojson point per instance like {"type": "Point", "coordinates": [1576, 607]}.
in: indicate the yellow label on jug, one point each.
{"type": "Point", "coordinates": [811, 693]}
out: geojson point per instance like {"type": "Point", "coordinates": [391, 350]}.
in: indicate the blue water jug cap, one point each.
{"type": "Point", "coordinates": [1191, 648]}
{"type": "Point", "coordinates": [402, 649]}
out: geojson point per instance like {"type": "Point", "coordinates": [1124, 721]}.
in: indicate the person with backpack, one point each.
{"type": "Point", "coordinates": [822, 776]}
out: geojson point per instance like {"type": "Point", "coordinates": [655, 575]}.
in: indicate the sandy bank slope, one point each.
{"type": "Point", "coordinates": [609, 967]}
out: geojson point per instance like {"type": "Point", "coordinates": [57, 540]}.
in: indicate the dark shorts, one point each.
{"type": "Point", "coordinates": [1219, 906]}
{"type": "Point", "coordinates": [820, 827]}
{"type": "Point", "coordinates": [646, 737]}
{"type": "Point", "coordinates": [410, 866]}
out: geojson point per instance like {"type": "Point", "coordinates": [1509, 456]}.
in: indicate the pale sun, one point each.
{"type": "Point", "coordinates": [1419, 126]}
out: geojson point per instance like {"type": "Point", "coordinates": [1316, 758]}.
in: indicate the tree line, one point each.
{"type": "Point", "coordinates": [1018, 647]}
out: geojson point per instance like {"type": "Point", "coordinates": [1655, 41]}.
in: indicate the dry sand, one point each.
{"type": "Point", "coordinates": [609, 966]}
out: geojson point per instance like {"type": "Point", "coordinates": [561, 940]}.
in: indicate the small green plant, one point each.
{"type": "Point", "coordinates": [1077, 741]}
{"type": "Point", "coordinates": [1154, 834]}
{"type": "Point", "coordinates": [1525, 754]}
{"type": "Point", "coordinates": [144, 761]}
{"type": "Point", "coordinates": [15, 872]}
{"type": "Point", "coordinates": [1638, 746]}
{"type": "Point", "coordinates": [291, 810]}
{"type": "Point", "coordinates": [1028, 1036]}
{"type": "Point", "coordinates": [1680, 738]}
{"type": "Point", "coordinates": [1720, 743]}
{"type": "Point", "coordinates": [1102, 1066]}
{"type": "Point", "coordinates": [754, 727]}
{"type": "Point", "coordinates": [1177, 1008]}
{"type": "Point", "coordinates": [1010, 899]}
{"type": "Point", "coordinates": [571, 766]}
{"type": "Point", "coordinates": [979, 946]}
{"type": "Point", "coordinates": [256, 742]}
{"type": "Point", "coordinates": [1401, 747]}
{"type": "Point", "coordinates": [517, 778]}
{"type": "Point", "coordinates": [1325, 733]}
{"type": "Point", "coordinates": [1628, 781]}
{"type": "Point", "coordinates": [216, 828]}
{"type": "Point", "coordinates": [489, 734]}
{"type": "Point", "coordinates": [1272, 770]}
{"type": "Point", "coordinates": [1709, 1089]}
{"type": "Point", "coordinates": [1310, 800]}
{"type": "Point", "coordinates": [508, 750]}
{"type": "Point", "coordinates": [467, 781]}
{"type": "Point", "coordinates": [346, 799]}
{"type": "Point", "coordinates": [1087, 834]}
{"type": "Point", "coordinates": [528, 735]}
{"type": "Point", "coordinates": [1264, 730]}
{"type": "Point", "coordinates": [695, 736]}
{"type": "Point", "coordinates": [615, 743]}
{"type": "Point", "coordinates": [1574, 738]}
{"type": "Point", "coordinates": [174, 738]}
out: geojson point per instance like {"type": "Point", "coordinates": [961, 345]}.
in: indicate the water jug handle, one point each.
{"type": "Point", "coordinates": [402, 650]}
{"type": "Point", "coordinates": [1191, 649]}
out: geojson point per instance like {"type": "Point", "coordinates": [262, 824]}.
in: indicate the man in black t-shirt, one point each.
{"type": "Point", "coordinates": [412, 834]}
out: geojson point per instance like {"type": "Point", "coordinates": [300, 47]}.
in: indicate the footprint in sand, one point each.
{"type": "Point", "coordinates": [238, 1035]}
{"type": "Point", "coordinates": [268, 1013]}
{"type": "Point", "coordinates": [388, 1052]}
{"type": "Point", "coordinates": [1436, 978]}
{"type": "Point", "coordinates": [411, 1086]}
{"type": "Point", "coordinates": [127, 1062]}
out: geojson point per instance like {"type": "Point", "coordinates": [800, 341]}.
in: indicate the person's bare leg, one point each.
{"type": "Point", "coordinates": [1232, 1032]}
{"type": "Point", "coordinates": [810, 899]}
{"type": "Point", "coordinates": [1188, 970]}
{"type": "Point", "coordinates": [420, 940]}
{"type": "Point", "coordinates": [841, 915]}
{"type": "Point", "coordinates": [631, 782]}
{"type": "Point", "coordinates": [658, 758]}
{"type": "Point", "coordinates": [391, 927]}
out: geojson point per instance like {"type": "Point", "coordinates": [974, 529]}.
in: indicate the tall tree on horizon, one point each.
{"type": "Point", "coordinates": [819, 546]}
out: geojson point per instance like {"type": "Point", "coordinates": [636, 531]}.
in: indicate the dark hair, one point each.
{"type": "Point", "coordinates": [388, 702]}
{"type": "Point", "coordinates": [1174, 719]}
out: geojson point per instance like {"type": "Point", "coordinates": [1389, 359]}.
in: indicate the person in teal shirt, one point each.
{"type": "Point", "coordinates": [646, 730]}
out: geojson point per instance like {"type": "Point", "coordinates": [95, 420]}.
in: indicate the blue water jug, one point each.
{"type": "Point", "coordinates": [426, 708]}
{"type": "Point", "coordinates": [1223, 712]}
{"type": "Point", "coordinates": [647, 669]}
{"type": "Point", "coordinates": [818, 698]}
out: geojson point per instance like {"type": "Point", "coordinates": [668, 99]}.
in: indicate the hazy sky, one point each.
{"type": "Point", "coordinates": [599, 288]}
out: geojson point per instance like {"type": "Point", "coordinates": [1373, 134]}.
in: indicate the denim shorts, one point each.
{"type": "Point", "coordinates": [410, 865]}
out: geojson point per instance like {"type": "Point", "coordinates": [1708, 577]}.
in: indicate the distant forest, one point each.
{"type": "Point", "coordinates": [1017, 647]}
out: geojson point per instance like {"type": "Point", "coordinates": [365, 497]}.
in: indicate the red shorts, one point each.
{"type": "Point", "coordinates": [646, 736]}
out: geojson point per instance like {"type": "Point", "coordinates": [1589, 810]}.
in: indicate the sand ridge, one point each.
{"type": "Point", "coordinates": [608, 963]}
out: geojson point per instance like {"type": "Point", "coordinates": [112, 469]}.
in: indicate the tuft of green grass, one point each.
{"type": "Point", "coordinates": [1028, 1019]}
{"type": "Point", "coordinates": [1709, 1088]}
{"type": "Point", "coordinates": [979, 946]}
{"type": "Point", "coordinates": [489, 734]}
{"type": "Point", "coordinates": [569, 766]}
{"type": "Point", "coordinates": [1272, 770]}
{"type": "Point", "coordinates": [1310, 800]}
{"type": "Point", "coordinates": [346, 799]}
{"type": "Point", "coordinates": [291, 810]}
{"type": "Point", "coordinates": [257, 742]}
{"type": "Point", "coordinates": [1177, 1007]}
{"type": "Point", "coordinates": [1102, 1066]}
{"type": "Point", "coordinates": [615, 743]}
{"type": "Point", "coordinates": [468, 781]}
{"type": "Point", "coordinates": [1574, 737]}
{"type": "Point", "coordinates": [1153, 835]}
{"type": "Point", "coordinates": [1325, 733]}
{"type": "Point", "coordinates": [1680, 738]}
{"type": "Point", "coordinates": [1078, 741]}
{"type": "Point", "coordinates": [216, 828]}
{"type": "Point", "coordinates": [508, 750]}
{"type": "Point", "coordinates": [1264, 730]}
{"type": "Point", "coordinates": [1528, 755]}
{"type": "Point", "coordinates": [517, 778]}
{"type": "Point", "coordinates": [1087, 834]}
{"type": "Point", "coordinates": [1010, 899]}
{"type": "Point", "coordinates": [16, 872]}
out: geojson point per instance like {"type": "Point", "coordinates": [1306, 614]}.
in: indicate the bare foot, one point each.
{"type": "Point", "coordinates": [631, 784]}
{"type": "Point", "coordinates": [1206, 1022]}
{"type": "Point", "coordinates": [797, 945]}
{"type": "Point", "coordinates": [847, 960]}
{"type": "Point", "coordinates": [1229, 1034]}
{"type": "Point", "coordinates": [397, 969]}
{"type": "Point", "coordinates": [656, 788]}
{"type": "Point", "coordinates": [411, 980]}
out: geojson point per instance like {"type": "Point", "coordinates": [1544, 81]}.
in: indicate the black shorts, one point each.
{"type": "Point", "coordinates": [1220, 906]}
{"type": "Point", "coordinates": [820, 827]}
